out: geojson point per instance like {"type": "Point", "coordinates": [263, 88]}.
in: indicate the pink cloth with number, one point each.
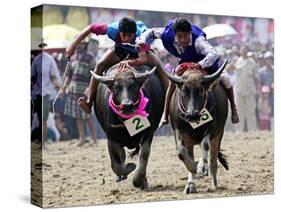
{"type": "Point", "coordinates": [140, 110]}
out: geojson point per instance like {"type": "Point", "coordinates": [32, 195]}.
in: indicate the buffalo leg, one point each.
{"type": "Point", "coordinates": [202, 168]}
{"type": "Point", "coordinates": [140, 180]}
{"type": "Point", "coordinates": [183, 154]}
{"type": "Point", "coordinates": [117, 157]}
{"type": "Point", "coordinates": [123, 159]}
{"type": "Point", "coordinates": [190, 187]}
{"type": "Point", "coordinates": [213, 163]}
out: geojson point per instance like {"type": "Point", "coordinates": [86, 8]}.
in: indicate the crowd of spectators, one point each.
{"type": "Point", "coordinates": [251, 67]}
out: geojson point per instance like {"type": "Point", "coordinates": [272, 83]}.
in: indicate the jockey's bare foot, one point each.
{"type": "Point", "coordinates": [164, 121]}
{"type": "Point", "coordinates": [81, 143]}
{"type": "Point", "coordinates": [234, 117]}
{"type": "Point", "coordinates": [93, 142]}
{"type": "Point", "coordinates": [86, 106]}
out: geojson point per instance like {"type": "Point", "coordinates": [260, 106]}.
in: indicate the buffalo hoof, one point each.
{"type": "Point", "coordinates": [120, 178]}
{"type": "Point", "coordinates": [190, 189]}
{"type": "Point", "coordinates": [143, 185]}
{"type": "Point", "coordinates": [211, 190]}
{"type": "Point", "coordinates": [129, 168]}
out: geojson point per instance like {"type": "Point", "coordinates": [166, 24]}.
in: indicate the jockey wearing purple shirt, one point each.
{"type": "Point", "coordinates": [188, 43]}
{"type": "Point", "coordinates": [124, 31]}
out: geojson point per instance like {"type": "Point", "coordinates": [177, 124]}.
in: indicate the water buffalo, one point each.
{"type": "Point", "coordinates": [196, 91]}
{"type": "Point", "coordinates": [125, 89]}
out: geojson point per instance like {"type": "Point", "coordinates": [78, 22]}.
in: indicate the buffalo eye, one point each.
{"type": "Point", "coordinates": [133, 86]}
{"type": "Point", "coordinates": [116, 88]}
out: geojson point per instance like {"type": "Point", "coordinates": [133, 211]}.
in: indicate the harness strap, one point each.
{"type": "Point", "coordinates": [141, 103]}
{"type": "Point", "coordinates": [183, 109]}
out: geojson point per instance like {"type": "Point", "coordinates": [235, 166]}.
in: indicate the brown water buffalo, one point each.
{"type": "Point", "coordinates": [125, 88]}
{"type": "Point", "coordinates": [196, 91]}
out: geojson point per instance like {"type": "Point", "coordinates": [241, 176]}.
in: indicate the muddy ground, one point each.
{"type": "Point", "coordinates": [76, 176]}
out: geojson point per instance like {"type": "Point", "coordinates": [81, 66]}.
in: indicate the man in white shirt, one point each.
{"type": "Point", "coordinates": [44, 74]}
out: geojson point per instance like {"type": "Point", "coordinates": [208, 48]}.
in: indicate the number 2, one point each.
{"type": "Point", "coordinates": [138, 125]}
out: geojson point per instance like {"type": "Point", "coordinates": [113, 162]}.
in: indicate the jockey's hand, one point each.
{"type": "Point", "coordinates": [197, 66]}
{"type": "Point", "coordinates": [123, 66]}
{"type": "Point", "coordinates": [185, 66]}
{"type": "Point", "coordinates": [140, 42]}
{"type": "Point", "coordinates": [70, 50]}
{"type": "Point", "coordinates": [180, 68]}
{"type": "Point", "coordinates": [61, 92]}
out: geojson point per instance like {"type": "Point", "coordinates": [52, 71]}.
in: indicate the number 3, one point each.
{"type": "Point", "coordinates": [204, 117]}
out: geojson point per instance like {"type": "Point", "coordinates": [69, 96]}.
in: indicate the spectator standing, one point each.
{"type": "Point", "coordinates": [247, 86]}
{"type": "Point", "coordinates": [44, 75]}
{"type": "Point", "coordinates": [77, 80]}
{"type": "Point", "coordinates": [264, 109]}
{"type": "Point", "coordinates": [267, 78]}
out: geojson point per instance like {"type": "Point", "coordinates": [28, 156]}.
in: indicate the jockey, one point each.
{"type": "Point", "coordinates": [188, 43]}
{"type": "Point", "coordinates": [121, 32]}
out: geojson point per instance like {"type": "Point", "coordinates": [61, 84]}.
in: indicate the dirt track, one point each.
{"type": "Point", "coordinates": [75, 176]}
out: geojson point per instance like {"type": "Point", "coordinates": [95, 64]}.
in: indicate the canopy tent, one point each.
{"type": "Point", "coordinates": [219, 30]}
{"type": "Point", "coordinates": [56, 36]}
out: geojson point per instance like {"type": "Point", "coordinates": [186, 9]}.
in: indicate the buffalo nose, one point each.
{"type": "Point", "coordinates": [196, 113]}
{"type": "Point", "coordinates": [193, 115]}
{"type": "Point", "coordinates": [127, 104]}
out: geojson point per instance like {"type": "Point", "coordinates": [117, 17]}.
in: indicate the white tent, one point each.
{"type": "Point", "coordinates": [219, 30]}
